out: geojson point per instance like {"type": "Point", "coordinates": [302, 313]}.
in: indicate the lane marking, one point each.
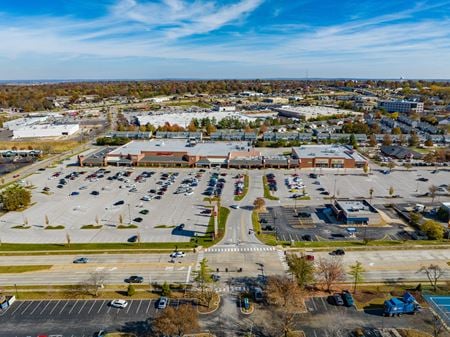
{"type": "Point", "coordinates": [31, 313]}
{"type": "Point", "coordinates": [54, 307]}
{"type": "Point", "coordinates": [100, 306]}
{"type": "Point", "coordinates": [84, 303]}
{"type": "Point", "coordinates": [64, 306]}
{"type": "Point", "coordinates": [188, 276]}
{"type": "Point", "coordinates": [148, 307]}
{"type": "Point", "coordinates": [42, 311]}
{"type": "Point", "coordinates": [131, 302]}
{"type": "Point", "coordinates": [139, 306]}
{"type": "Point", "coordinates": [93, 303]}
{"type": "Point", "coordinates": [26, 308]}
{"type": "Point", "coordinates": [21, 303]}
{"type": "Point", "coordinates": [71, 309]}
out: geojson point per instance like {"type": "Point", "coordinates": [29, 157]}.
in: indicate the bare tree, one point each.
{"type": "Point", "coordinates": [46, 220]}
{"type": "Point", "coordinates": [433, 191]}
{"type": "Point", "coordinates": [371, 190]}
{"type": "Point", "coordinates": [434, 273]}
{"type": "Point", "coordinates": [437, 325]}
{"type": "Point", "coordinates": [286, 295]}
{"type": "Point", "coordinates": [68, 239]}
{"type": "Point", "coordinates": [93, 284]}
{"type": "Point", "coordinates": [330, 271]}
{"type": "Point", "coordinates": [176, 322]}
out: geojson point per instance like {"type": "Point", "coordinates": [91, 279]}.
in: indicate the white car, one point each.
{"type": "Point", "coordinates": [177, 254]}
{"type": "Point", "coordinates": [122, 304]}
{"type": "Point", "coordinates": [189, 193]}
{"type": "Point", "coordinates": [234, 206]}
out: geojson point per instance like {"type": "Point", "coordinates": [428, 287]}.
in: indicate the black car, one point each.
{"type": "Point", "coordinates": [120, 202]}
{"type": "Point", "coordinates": [307, 237]}
{"type": "Point", "coordinates": [313, 175]}
{"type": "Point", "coordinates": [338, 252]}
{"type": "Point", "coordinates": [337, 299]}
{"type": "Point", "coordinates": [137, 219]}
{"type": "Point", "coordinates": [135, 279]}
{"type": "Point", "coordinates": [132, 238]}
{"type": "Point", "coordinates": [422, 179]}
{"type": "Point", "coordinates": [95, 192]}
{"type": "Point", "coordinates": [60, 186]}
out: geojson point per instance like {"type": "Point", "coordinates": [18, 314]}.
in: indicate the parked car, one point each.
{"type": "Point", "coordinates": [234, 206]}
{"type": "Point", "coordinates": [118, 203]}
{"type": "Point", "coordinates": [122, 304]}
{"type": "Point", "coordinates": [81, 260]}
{"type": "Point", "coordinates": [348, 298]}
{"type": "Point", "coordinates": [144, 211]}
{"type": "Point", "coordinates": [74, 194]}
{"type": "Point", "coordinates": [307, 237]}
{"type": "Point", "coordinates": [337, 299]}
{"type": "Point", "coordinates": [132, 238]}
{"type": "Point", "coordinates": [162, 302]}
{"type": "Point", "coordinates": [135, 279]}
{"type": "Point", "coordinates": [95, 192]}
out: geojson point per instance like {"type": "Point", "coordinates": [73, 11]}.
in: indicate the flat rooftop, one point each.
{"type": "Point", "coordinates": [327, 151]}
{"type": "Point", "coordinates": [181, 145]}
{"type": "Point", "coordinates": [355, 207]}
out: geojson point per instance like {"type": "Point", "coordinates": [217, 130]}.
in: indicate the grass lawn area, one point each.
{"type": "Point", "coordinates": [23, 269]}
{"type": "Point", "coordinates": [267, 193]}
{"type": "Point", "coordinates": [268, 239]}
{"type": "Point", "coordinates": [127, 226]}
{"type": "Point", "coordinates": [245, 190]}
{"type": "Point", "coordinates": [91, 247]}
{"type": "Point", "coordinates": [91, 227]}
{"type": "Point", "coordinates": [207, 240]}
{"type": "Point", "coordinates": [54, 227]}
{"type": "Point", "coordinates": [412, 333]}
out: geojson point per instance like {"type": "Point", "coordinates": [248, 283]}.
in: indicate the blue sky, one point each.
{"type": "Point", "coordinates": [138, 39]}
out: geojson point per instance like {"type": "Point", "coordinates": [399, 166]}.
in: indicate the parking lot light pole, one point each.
{"type": "Point", "coordinates": [129, 214]}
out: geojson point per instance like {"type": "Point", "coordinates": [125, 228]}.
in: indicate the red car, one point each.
{"type": "Point", "coordinates": [16, 175]}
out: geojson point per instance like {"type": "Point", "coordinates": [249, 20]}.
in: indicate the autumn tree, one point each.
{"type": "Point", "coordinates": [434, 273]}
{"type": "Point", "coordinates": [387, 140]}
{"type": "Point", "coordinates": [433, 229]}
{"type": "Point", "coordinates": [15, 197]}
{"type": "Point", "coordinates": [391, 165]}
{"type": "Point", "coordinates": [301, 269]}
{"type": "Point", "coordinates": [329, 271]}
{"type": "Point", "coordinates": [286, 296]}
{"type": "Point", "coordinates": [356, 272]}
{"type": "Point", "coordinates": [203, 278]}
{"type": "Point", "coordinates": [176, 322]}
{"type": "Point", "coordinates": [259, 204]}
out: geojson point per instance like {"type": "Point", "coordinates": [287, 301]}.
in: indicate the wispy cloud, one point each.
{"type": "Point", "coordinates": [214, 31]}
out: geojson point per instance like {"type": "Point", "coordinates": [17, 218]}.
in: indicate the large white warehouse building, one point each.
{"type": "Point", "coordinates": [46, 130]}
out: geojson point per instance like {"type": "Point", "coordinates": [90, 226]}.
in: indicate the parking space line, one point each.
{"type": "Point", "coordinates": [131, 302]}
{"type": "Point", "coordinates": [64, 306]}
{"type": "Point", "coordinates": [84, 303]}
{"type": "Point", "coordinates": [323, 302]}
{"type": "Point", "coordinates": [314, 303]}
{"type": "Point", "coordinates": [93, 303]}
{"type": "Point", "coordinates": [101, 305]}
{"type": "Point", "coordinates": [26, 308]}
{"type": "Point", "coordinates": [71, 309]}
{"type": "Point", "coordinates": [139, 306]}
{"type": "Point", "coordinates": [54, 307]}
{"type": "Point", "coordinates": [45, 307]}
{"type": "Point", "coordinates": [109, 309]}
{"type": "Point", "coordinates": [31, 313]}
{"type": "Point", "coordinates": [148, 307]}
{"type": "Point", "coordinates": [17, 308]}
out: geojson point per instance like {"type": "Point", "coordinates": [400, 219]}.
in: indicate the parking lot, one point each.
{"type": "Point", "coordinates": [93, 197]}
{"type": "Point", "coordinates": [60, 317]}
{"type": "Point", "coordinates": [290, 223]}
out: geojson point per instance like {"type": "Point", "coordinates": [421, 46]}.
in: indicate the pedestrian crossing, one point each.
{"type": "Point", "coordinates": [239, 249]}
{"type": "Point", "coordinates": [283, 259]}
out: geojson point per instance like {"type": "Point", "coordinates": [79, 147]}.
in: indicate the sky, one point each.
{"type": "Point", "coordinates": [160, 39]}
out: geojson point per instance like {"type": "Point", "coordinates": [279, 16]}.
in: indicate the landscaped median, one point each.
{"type": "Point", "coordinates": [208, 239]}
{"type": "Point", "coordinates": [23, 268]}
{"type": "Point", "coordinates": [244, 190]}
{"type": "Point", "coordinates": [267, 193]}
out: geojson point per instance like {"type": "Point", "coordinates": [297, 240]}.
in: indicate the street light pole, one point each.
{"type": "Point", "coordinates": [129, 214]}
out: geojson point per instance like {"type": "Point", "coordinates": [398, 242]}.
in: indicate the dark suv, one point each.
{"type": "Point", "coordinates": [135, 279]}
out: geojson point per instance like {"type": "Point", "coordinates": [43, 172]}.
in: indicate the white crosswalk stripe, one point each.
{"type": "Point", "coordinates": [283, 259]}
{"type": "Point", "coordinates": [239, 249]}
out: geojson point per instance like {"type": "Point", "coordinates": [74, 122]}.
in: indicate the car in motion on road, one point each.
{"type": "Point", "coordinates": [81, 260]}
{"type": "Point", "coordinates": [177, 254]}
{"type": "Point", "coordinates": [135, 279]}
{"type": "Point", "coordinates": [162, 302]}
{"type": "Point", "coordinates": [338, 252]}
{"type": "Point", "coordinates": [121, 304]}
